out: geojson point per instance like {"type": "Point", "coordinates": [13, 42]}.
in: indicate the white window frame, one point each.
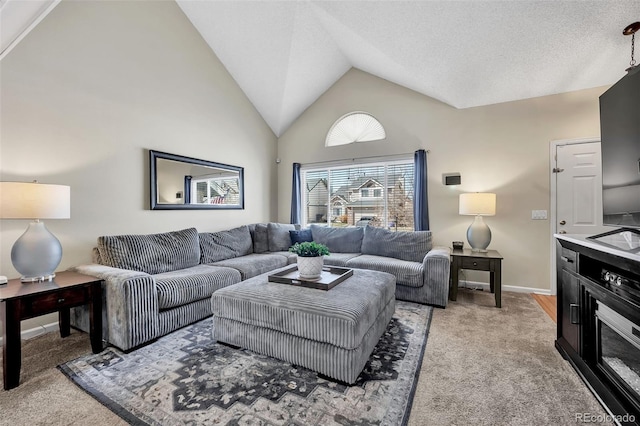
{"type": "Point", "coordinates": [208, 180]}
{"type": "Point", "coordinates": [347, 164]}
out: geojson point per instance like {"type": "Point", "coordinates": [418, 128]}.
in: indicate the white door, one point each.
{"type": "Point", "coordinates": [578, 189]}
{"type": "Point", "coordinates": [576, 179]}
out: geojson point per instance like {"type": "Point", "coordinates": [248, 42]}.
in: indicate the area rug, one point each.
{"type": "Point", "coordinates": [187, 378]}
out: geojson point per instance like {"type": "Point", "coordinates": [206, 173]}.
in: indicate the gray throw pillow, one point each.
{"type": "Point", "coordinates": [405, 245]}
{"type": "Point", "coordinates": [222, 245]}
{"type": "Point", "coordinates": [301, 236]}
{"type": "Point", "coordinates": [153, 253]}
{"type": "Point", "coordinates": [338, 240]}
{"type": "Point", "coordinates": [278, 236]}
{"type": "Point", "coordinates": [260, 238]}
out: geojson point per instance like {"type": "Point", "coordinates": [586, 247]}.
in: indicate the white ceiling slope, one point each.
{"type": "Point", "coordinates": [285, 54]}
{"type": "Point", "coordinates": [18, 17]}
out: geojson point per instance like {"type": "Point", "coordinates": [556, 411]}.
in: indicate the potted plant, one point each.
{"type": "Point", "coordinates": [310, 260]}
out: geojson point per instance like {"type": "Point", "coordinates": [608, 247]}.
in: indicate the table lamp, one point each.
{"type": "Point", "coordinates": [37, 253]}
{"type": "Point", "coordinates": [478, 204]}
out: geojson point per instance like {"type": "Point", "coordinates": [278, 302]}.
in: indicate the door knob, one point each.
{"type": "Point", "coordinates": [563, 222]}
{"type": "Point", "coordinates": [562, 232]}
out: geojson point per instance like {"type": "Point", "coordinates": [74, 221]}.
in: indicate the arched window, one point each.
{"type": "Point", "coordinates": [357, 126]}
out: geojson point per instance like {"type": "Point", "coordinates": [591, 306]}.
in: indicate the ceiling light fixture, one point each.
{"type": "Point", "coordinates": [357, 126]}
{"type": "Point", "coordinates": [631, 30]}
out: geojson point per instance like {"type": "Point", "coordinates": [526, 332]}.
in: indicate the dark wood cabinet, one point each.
{"type": "Point", "coordinates": [569, 291]}
{"type": "Point", "coordinates": [570, 315]}
{"type": "Point", "coordinates": [590, 306]}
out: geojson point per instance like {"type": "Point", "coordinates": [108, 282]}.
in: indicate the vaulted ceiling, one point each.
{"type": "Point", "coordinates": [286, 54]}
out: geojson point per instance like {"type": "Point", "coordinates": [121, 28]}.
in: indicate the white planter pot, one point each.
{"type": "Point", "coordinates": [310, 268]}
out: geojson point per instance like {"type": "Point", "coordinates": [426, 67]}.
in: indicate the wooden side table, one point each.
{"type": "Point", "coordinates": [491, 261]}
{"type": "Point", "coordinates": [20, 301]}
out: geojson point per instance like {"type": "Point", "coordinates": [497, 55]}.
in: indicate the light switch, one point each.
{"type": "Point", "coordinates": [539, 214]}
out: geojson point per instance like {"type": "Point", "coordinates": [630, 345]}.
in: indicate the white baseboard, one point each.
{"type": "Point", "coordinates": [37, 331]}
{"type": "Point", "coordinates": [515, 289]}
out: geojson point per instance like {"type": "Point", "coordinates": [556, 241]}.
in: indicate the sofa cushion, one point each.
{"type": "Point", "coordinates": [153, 253]}
{"type": "Point", "coordinates": [291, 257]}
{"type": "Point", "coordinates": [339, 259]}
{"type": "Point", "coordinates": [254, 264]}
{"type": "Point", "coordinates": [407, 273]}
{"type": "Point", "coordinates": [216, 246]}
{"type": "Point", "coordinates": [260, 238]}
{"type": "Point", "coordinates": [278, 236]}
{"type": "Point", "coordinates": [338, 240]}
{"type": "Point", "coordinates": [178, 288]}
{"type": "Point", "coordinates": [410, 245]}
{"type": "Point", "coordinates": [300, 236]}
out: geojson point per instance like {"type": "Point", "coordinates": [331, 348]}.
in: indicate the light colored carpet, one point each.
{"type": "Point", "coordinates": [482, 365]}
{"type": "Point", "coordinates": [489, 366]}
{"type": "Point", "coordinates": [46, 396]}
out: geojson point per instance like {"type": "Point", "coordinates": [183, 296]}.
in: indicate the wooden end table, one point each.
{"type": "Point", "coordinates": [20, 301]}
{"type": "Point", "coordinates": [490, 261]}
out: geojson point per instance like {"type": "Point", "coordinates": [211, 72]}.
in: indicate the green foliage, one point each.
{"type": "Point", "coordinates": [309, 249]}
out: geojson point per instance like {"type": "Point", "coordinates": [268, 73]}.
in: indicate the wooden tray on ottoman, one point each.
{"type": "Point", "coordinates": [331, 277]}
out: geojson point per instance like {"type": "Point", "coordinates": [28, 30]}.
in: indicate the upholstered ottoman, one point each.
{"type": "Point", "coordinates": [332, 332]}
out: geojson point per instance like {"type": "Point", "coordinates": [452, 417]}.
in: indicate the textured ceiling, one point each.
{"type": "Point", "coordinates": [285, 54]}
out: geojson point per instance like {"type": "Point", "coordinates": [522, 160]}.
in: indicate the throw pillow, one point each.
{"type": "Point", "coordinates": [216, 246]}
{"type": "Point", "coordinates": [153, 253]}
{"type": "Point", "coordinates": [278, 236]}
{"type": "Point", "coordinates": [338, 240]}
{"type": "Point", "coordinates": [301, 236]}
{"type": "Point", "coordinates": [260, 238]}
{"type": "Point", "coordinates": [404, 245]}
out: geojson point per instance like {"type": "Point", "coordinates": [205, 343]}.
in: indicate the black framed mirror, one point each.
{"type": "Point", "coordinates": [185, 183]}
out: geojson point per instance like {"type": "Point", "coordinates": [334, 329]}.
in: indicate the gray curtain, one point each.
{"type": "Point", "coordinates": [420, 203]}
{"type": "Point", "coordinates": [296, 195]}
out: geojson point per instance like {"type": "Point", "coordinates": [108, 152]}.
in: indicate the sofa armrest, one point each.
{"type": "Point", "coordinates": [437, 264]}
{"type": "Point", "coordinates": [438, 251]}
{"type": "Point", "coordinates": [131, 304]}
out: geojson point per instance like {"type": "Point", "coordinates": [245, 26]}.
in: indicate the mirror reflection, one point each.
{"type": "Point", "coordinates": [179, 182]}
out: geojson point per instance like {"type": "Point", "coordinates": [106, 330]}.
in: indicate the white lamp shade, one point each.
{"type": "Point", "coordinates": [22, 200]}
{"type": "Point", "coordinates": [478, 203]}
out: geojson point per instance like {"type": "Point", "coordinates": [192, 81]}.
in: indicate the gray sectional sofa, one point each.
{"type": "Point", "coordinates": [155, 284]}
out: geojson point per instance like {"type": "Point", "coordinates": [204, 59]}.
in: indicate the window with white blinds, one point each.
{"type": "Point", "coordinates": [377, 194]}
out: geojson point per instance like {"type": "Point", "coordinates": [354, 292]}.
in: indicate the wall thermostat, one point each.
{"type": "Point", "coordinates": [451, 179]}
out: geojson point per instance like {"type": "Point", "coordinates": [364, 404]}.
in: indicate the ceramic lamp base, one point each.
{"type": "Point", "coordinates": [36, 254]}
{"type": "Point", "coordinates": [479, 235]}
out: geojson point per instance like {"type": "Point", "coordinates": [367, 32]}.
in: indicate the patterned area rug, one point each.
{"type": "Point", "coordinates": [186, 378]}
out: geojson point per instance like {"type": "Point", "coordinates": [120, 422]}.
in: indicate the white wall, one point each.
{"type": "Point", "coordinates": [501, 148]}
{"type": "Point", "coordinates": [97, 84]}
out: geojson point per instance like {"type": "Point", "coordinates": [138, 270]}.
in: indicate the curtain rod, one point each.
{"type": "Point", "coordinates": [352, 160]}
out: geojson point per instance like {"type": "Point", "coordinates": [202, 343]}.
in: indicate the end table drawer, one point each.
{"type": "Point", "coordinates": [51, 302]}
{"type": "Point", "coordinates": [478, 264]}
